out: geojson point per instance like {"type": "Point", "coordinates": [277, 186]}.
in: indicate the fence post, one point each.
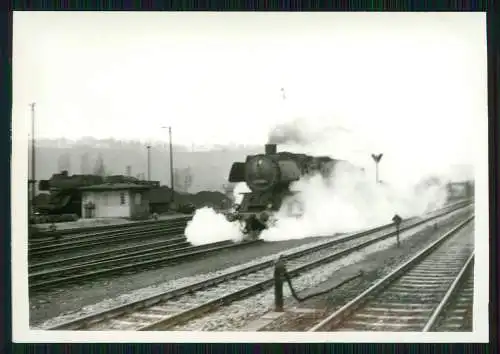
{"type": "Point", "coordinates": [397, 221]}
{"type": "Point", "coordinates": [279, 272]}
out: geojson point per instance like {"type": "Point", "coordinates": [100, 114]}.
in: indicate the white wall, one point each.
{"type": "Point", "coordinates": [107, 203]}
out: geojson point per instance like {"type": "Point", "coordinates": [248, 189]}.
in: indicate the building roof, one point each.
{"type": "Point", "coordinates": [115, 186]}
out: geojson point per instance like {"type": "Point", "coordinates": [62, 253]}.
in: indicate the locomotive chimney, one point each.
{"type": "Point", "coordinates": [271, 149]}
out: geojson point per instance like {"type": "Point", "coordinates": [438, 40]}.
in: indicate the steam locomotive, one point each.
{"type": "Point", "coordinates": [269, 176]}
{"type": "Point", "coordinates": [65, 196]}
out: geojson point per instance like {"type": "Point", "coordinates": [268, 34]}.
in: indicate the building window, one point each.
{"type": "Point", "coordinates": [122, 198]}
{"type": "Point", "coordinates": [137, 198]}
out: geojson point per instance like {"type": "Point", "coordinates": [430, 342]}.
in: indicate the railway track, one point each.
{"type": "Point", "coordinates": [45, 279]}
{"type": "Point", "coordinates": [176, 242]}
{"type": "Point", "coordinates": [46, 235]}
{"type": "Point", "coordinates": [85, 241]}
{"type": "Point", "coordinates": [455, 311]}
{"type": "Point", "coordinates": [414, 295]}
{"type": "Point", "coordinates": [163, 311]}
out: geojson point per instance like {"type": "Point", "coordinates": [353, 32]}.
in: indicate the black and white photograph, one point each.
{"type": "Point", "coordinates": [250, 177]}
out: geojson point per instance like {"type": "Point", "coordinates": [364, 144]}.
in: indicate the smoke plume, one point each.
{"type": "Point", "coordinates": [301, 132]}
{"type": "Point", "coordinates": [413, 178]}
{"type": "Point", "coordinates": [347, 202]}
{"type": "Point", "coordinates": [413, 175]}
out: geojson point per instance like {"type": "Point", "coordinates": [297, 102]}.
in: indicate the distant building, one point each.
{"type": "Point", "coordinates": [114, 200]}
{"type": "Point", "coordinates": [160, 199]}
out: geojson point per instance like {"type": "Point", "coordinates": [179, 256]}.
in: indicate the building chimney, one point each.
{"type": "Point", "coordinates": [271, 149]}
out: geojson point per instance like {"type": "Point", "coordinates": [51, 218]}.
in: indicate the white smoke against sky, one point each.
{"type": "Point", "coordinates": [352, 200]}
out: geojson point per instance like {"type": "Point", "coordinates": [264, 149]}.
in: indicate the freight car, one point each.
{"type": "Point", "coordinates": [269, 176]}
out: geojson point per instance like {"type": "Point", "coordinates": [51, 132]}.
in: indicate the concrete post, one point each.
{"type": "Point", "coordinates": [279, 274]}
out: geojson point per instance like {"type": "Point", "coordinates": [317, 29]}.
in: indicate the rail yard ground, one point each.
{"type": "Point", "coordinates": [104, 222]}
{"type": "Point", "coordinates": [247, 310]}
{"type": "Point", "coordinates": [62, 301]}
{"type": "Point", "coordinates": [243, 314]}
{"type": "Point", "coordinates": [302, 316]}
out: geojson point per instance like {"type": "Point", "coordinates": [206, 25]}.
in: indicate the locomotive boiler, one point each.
{"type": "Point", "coordinates": [269, 176]}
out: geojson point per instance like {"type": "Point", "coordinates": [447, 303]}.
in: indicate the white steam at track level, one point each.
{"type": "Point", "coordinates": [208, 226]}
{"type": "Point", "coordinates": [349, 202]}
{"type": "Point", "coordinates": [346, 202]}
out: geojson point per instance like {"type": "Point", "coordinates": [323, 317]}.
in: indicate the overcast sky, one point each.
{"type": "Point", "coordinates": [406, 82]}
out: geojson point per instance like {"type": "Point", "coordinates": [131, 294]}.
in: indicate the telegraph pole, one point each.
{"type": "Point", "coordinates": [149, 162]}
{"type": "Point", "coordinates": [171, 163]}
{"type": "Point", "coordinates": [33, 174]}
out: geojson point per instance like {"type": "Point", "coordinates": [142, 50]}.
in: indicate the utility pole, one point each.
{"type": "Point", "coordinates": [377, 158]}
{"type": "Point", "coordinates": [149, 162]}
{"type": "Point", "coordinates": [33, 160]}
{"type": "Point", "coordinates": [171, 164]}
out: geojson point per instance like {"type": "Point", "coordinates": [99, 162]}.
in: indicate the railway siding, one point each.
{"type": "Point", "coordinates": [249, 284]}
{"type": "Point", "coordinates": [302, 316]}
{"type": "Point", "coordinates": [405, 299]}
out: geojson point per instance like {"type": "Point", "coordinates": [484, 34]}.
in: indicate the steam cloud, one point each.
{"type": "Point", "coordinates": [347, 201]}
{"type": "Point", "coordinates": [208, 226]}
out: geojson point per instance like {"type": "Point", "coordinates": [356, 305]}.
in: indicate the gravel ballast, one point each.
{"type": "Point", "coordinates": [375, 266]}
{"type": "Point", "coordinates": [99, 295]}
{"type": "Point", "coordinates": [380, 257]}
{"type": "Point", "coordinates": [73, 299]}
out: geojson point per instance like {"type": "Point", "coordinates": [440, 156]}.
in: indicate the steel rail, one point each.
{"type": "Point", "coordinates": [336, 318]}
{"type": "Point", "coordinates": [46, 236]}
{"type": "Point", "coordinates": [48, 279]}
{"type": "Point", "coordinates": [89, 320]}
{"type": "Point", "coordinates": [448, 296]}
{"type": "Point", "coordinates": [58, 248]}
{"type": "Point", "coordinates": [76, 237]}
{"type": "Point", "coordinates": [119, 252]}
{"type": "Point", "coordinates": [191, 313]}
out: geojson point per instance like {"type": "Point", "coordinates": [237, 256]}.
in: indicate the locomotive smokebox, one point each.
{"type": "Point", "coordinates": [271, 149]}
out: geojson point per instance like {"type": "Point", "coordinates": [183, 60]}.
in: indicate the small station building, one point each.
{"type": "Point", "coordinates": [114, 200]}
